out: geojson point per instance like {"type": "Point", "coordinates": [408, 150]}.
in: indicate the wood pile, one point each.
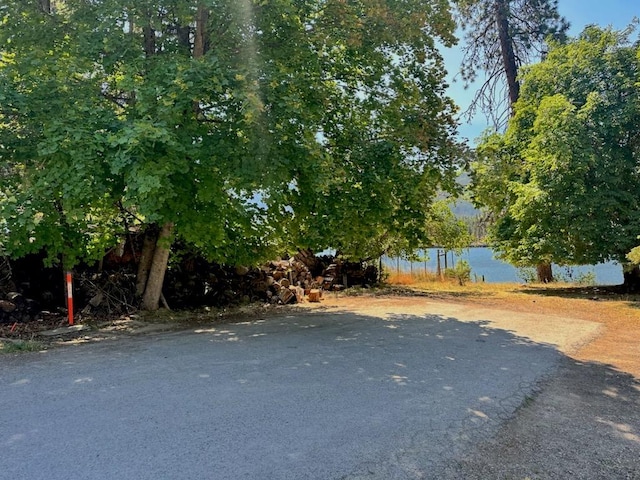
{"type": "Point", "coordinates": [15, 308]}
{"type": "Point", "coordinates": [26, 286]}
{"type": "Point", "coordinates": [105, 294]}
{"type": "Point", "coordinates": [288, 281]}
{"type": "Point", "coordinates": [195, 282]}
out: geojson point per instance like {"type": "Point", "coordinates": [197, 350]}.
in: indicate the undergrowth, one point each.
{"type": "Point", "coordinates": [20, 346]}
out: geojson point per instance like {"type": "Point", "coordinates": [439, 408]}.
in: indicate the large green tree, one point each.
{"type": "Point", "coordinates": [239, 126]}
{"type": "Point", "coordinates": [563, 181]}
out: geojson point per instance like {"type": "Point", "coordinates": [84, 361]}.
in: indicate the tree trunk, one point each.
{"type": "Point", "coordinates": [200, 46]}
{"type": "Point", "coordinates": [153, 289]}
{"type": "Point", "coordinates": [149, 37]}
{"type": "Point", "coordinates": [545, 272]}
{"type": "Point", "coordinates": [631, 279]}
{"type": "Point", "coordinates": [506, 49]}
{"type": "Point", "coordinates": [146, 258]}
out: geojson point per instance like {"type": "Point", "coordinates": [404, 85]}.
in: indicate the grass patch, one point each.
{"type": "Point", "coordinates": [413, 278]}
{"type": "Point", "coordinates": [20, 346]}
{"type": "Point", "coordinates": [447, 283]}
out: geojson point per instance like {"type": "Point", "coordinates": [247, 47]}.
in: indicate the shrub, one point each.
{"type": "Point", "coordinates": [461, 272]}
{"type": "Point", "coordinates": [527, 274]}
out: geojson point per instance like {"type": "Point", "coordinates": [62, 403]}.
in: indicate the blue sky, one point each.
{"type": "Point", "coordinates": [580, 13]}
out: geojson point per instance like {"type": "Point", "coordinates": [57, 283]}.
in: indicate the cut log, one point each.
{"type": "Point", "coordinates": [16, 298]}
{"type": "Point", "coordinates": [298, 292]}
{"type": "Point", "coordinates": [286, 296]}
{"type": "Point", "coordinates": [97, 299]}
{"type": "Point", "coordinates": [314, 295]}
{"type": "Point", "coordinates": [7, 307]}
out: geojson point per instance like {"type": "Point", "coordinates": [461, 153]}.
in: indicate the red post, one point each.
{"type": "Point", "coordinates": [70, 297]}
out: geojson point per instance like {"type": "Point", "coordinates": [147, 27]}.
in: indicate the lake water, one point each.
{"type": "Point", "coordinates": [484, 265]}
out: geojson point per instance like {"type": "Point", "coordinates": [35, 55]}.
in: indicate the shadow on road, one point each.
{"type": "Point", "coordinates": [325, 395]}
{"type": "Point", "coordinates": [596, 293]}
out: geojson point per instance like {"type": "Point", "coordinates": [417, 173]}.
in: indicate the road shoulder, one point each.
{"type": "Point", "coordinates": [583, 423]}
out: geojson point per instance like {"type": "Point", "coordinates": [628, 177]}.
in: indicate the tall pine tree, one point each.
{"type": "Point", "coordinates": [500, 37]}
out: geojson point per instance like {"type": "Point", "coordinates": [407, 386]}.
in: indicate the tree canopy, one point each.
{"type": "Point", "coordinates": [242, 127]}
{"type": "Point", "coordinates": [563, 181]}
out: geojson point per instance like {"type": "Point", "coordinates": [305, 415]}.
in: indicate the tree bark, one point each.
{"type": "Point", "coordinates": [149, 37]}
{"type": "Point", "coordinates": [506, 49]}
{"type": "Point", "coordinates": [146, 258]}
{"type": "Point", "coordinates": [545, 273]}
{"type": "Point", "coordinates": [631, 279]}
{"type": "Point", "coordinates": [153, 290]}
{"type": "Point", "coordinates": [200, 43]}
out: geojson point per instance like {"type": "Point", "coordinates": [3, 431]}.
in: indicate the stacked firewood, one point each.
{"type": "Point", "coordinates": [15, 308]}
{"type": "Point", "coordinates": [190, 283]}
{"type": "Point", "coordinates": [195, 282]}
{"type": "Point", "coordinates": [288, 281]}
{"type": "Point", "coordinates": [298, 276]}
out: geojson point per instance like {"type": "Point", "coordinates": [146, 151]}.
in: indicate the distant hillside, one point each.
{"type": "Point", "coordinates": [463, 208]}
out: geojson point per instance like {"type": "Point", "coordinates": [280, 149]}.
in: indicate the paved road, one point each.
{"type": "Point", "coordinates": [309, 396]}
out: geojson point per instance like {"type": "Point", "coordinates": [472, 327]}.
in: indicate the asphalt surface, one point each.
{"type": "Point", "coordinates": [304, 396]}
